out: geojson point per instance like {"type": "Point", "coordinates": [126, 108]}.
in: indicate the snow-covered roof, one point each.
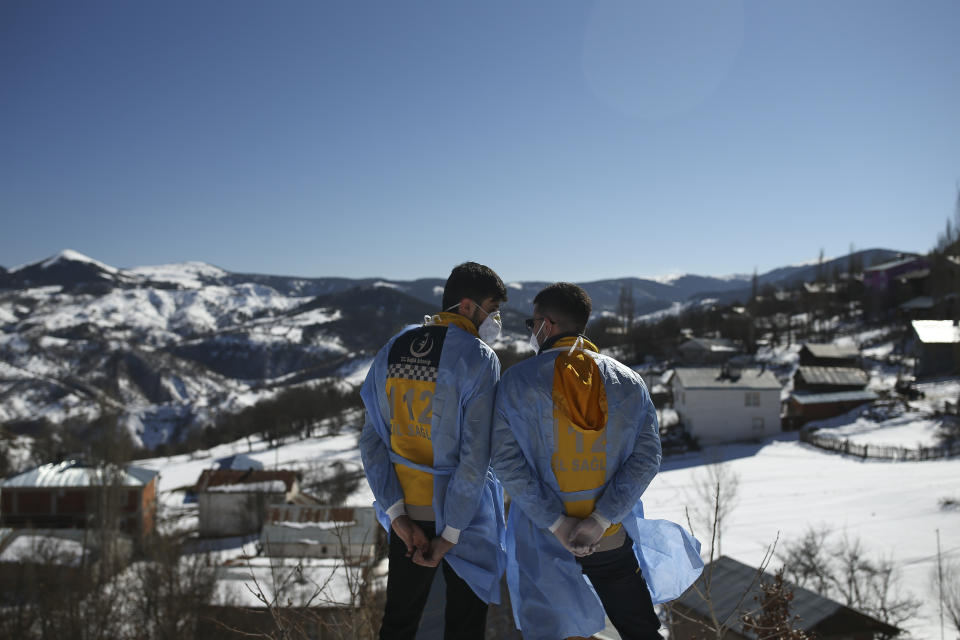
{"type": "Point", "coordinates": [936, 331]}
{"type": "Point", "coordinates": [713, 378]}
{"type": "Point", "coordinates": [840, 376]}
{"type": "Point", "coordinates": [830, 350]}
{"type": "Point", "coordinates": [72, 473]}
{"type": "Point", "coordinates": [250, 480]}
{"type": "Point", "coordinates": [714, 345]}
{"type": "Point", "coordinates": [839, 396]}
{"type": "Point", "coordinates": [269, 486]}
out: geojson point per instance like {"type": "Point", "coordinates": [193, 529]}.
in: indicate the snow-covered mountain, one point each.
{"type": "Point", "coordinates": [172, 346]}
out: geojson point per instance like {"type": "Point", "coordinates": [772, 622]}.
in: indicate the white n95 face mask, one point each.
{"type": "Point", "coordinates": [533, 338]}
{"type": "Point", "coordinates": [489, 329]}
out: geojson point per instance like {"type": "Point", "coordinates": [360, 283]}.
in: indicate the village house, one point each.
{"type": "Point", "coordinates": [73, 495]}
{"type": "Point", "coordinates": [315, 531]}
{"type": "Point", "coordinates": [829, 355]}
{"type": "Point", "coordinates": [936, 346]}
{"type": "Point", "coordinates": [829, 379]}
{"type": "Point", "coordinates": [804, 407]}
{"type": "Point", "coordinates": [707, 350]}
{"type": "Point", "coordinates": [727, 404]}
{"type": "Point", "coordinates": [234, 502]}
{"type": "Point", "coordinates": [882, 276]}
{"type": "Point", "coordinates": [61, 555]}
{"type": "Point", "coordinates": [730, 580]}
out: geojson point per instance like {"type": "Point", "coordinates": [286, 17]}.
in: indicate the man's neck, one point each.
{"type": "Point", "coordinates": [552, 340]}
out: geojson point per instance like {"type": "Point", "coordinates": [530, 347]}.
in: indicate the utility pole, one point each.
{"type": "Point", "coordinates": [940, 580]}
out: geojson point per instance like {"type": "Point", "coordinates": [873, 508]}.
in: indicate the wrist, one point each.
{"type": "Point", "coordinates": [397, 509]}
{"type": "Point", "coordinates": [450, 534]}
{"type": "Point", "coordinates": [556, 523]}
{"type": "Point", "coordinates": [603, 522]}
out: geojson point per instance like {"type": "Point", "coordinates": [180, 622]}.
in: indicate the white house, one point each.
{"type": "Point", "coordinates": [234, 502]}
{"type": "Point", "coordinates": [724, 405]}
{"type": "Point", "coordinates": [317, 531]}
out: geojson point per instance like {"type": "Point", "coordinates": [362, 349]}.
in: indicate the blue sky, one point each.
{"type": "Point", "coordinates": [550, 140]}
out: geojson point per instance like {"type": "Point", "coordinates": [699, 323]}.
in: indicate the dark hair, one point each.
{"type": "Point", "coordinates": [474, 281]}
{"type": "Point", "coordinates": [566, 304]}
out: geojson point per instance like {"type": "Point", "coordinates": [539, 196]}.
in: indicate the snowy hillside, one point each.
{"type": "Point", "coordinates": [171, 347]}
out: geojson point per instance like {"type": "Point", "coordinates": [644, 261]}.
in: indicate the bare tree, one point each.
{"type": "Point", "coordinates": [299, 607]}
{"type": "Point", "coordinates": [843, 570]}
{"type": "Point", "coordinates": [714, 498]}
{"type": "Point", "coordinates": [170, 589]}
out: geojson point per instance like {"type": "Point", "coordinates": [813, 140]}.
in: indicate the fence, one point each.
{"type": "Point", "coordinates": [831, 443]}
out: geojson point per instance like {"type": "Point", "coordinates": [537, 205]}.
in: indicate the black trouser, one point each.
{"type": "Point", "coordinates": [616, 577]}
{"type": "Point", "coordinates": [408, 586]}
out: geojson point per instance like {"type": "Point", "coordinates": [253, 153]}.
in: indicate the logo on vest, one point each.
{"type": "Point", "coordinates": [420, 347]}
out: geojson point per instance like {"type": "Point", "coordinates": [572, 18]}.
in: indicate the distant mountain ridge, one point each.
{"type": "Point", "coordinates": [172, 346]}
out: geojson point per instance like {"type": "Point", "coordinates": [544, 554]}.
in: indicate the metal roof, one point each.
{"type": "Point", "coordinates": [730, 579]}
{"type": "Point", "coordinates": [239, 461]}
{"type": "Point", "coordinates": [73, 473]}
{"type": "Point", "coordinates": [254, 478]}
{"type": "Point", "coordinates": [838, 396]}
{"type": "Point", "coordinates": [835, 376]}
{"type": "Point", "coordinates": [920, 302]}
{"type": "Point", "coordinates": [830, 350]}
{"type": "Point", "coordinates": [893, 263]}
{"type": "Point", "coordinates": [937, 331]}
{"type": "Point", "coordinates": [713, 378]}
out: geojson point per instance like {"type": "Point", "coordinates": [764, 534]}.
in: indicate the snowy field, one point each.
{"type": "Point", "coordinates": [785, 488]}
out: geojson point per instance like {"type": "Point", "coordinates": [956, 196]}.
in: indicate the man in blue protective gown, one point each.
{"type": "Point", "coordinates": [426, 451]}
{"type": "Point", "coordinates": [576, 442]}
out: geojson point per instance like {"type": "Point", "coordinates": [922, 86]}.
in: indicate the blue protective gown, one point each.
{"type": "Point", "coordinates": [551, 597]}
{"type": "Point", "coordinates": [466, 494]}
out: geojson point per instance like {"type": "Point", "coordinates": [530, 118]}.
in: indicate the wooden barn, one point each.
{"type": "Point", "coordinates": [936, 346]}
{"type": "Point", "coordinates": [801, 408]}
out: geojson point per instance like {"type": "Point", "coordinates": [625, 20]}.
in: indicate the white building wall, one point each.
{"type": "Point", "coordinates": [233, 513]}
{"type": "Point", "coordinates": [714, 416]}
